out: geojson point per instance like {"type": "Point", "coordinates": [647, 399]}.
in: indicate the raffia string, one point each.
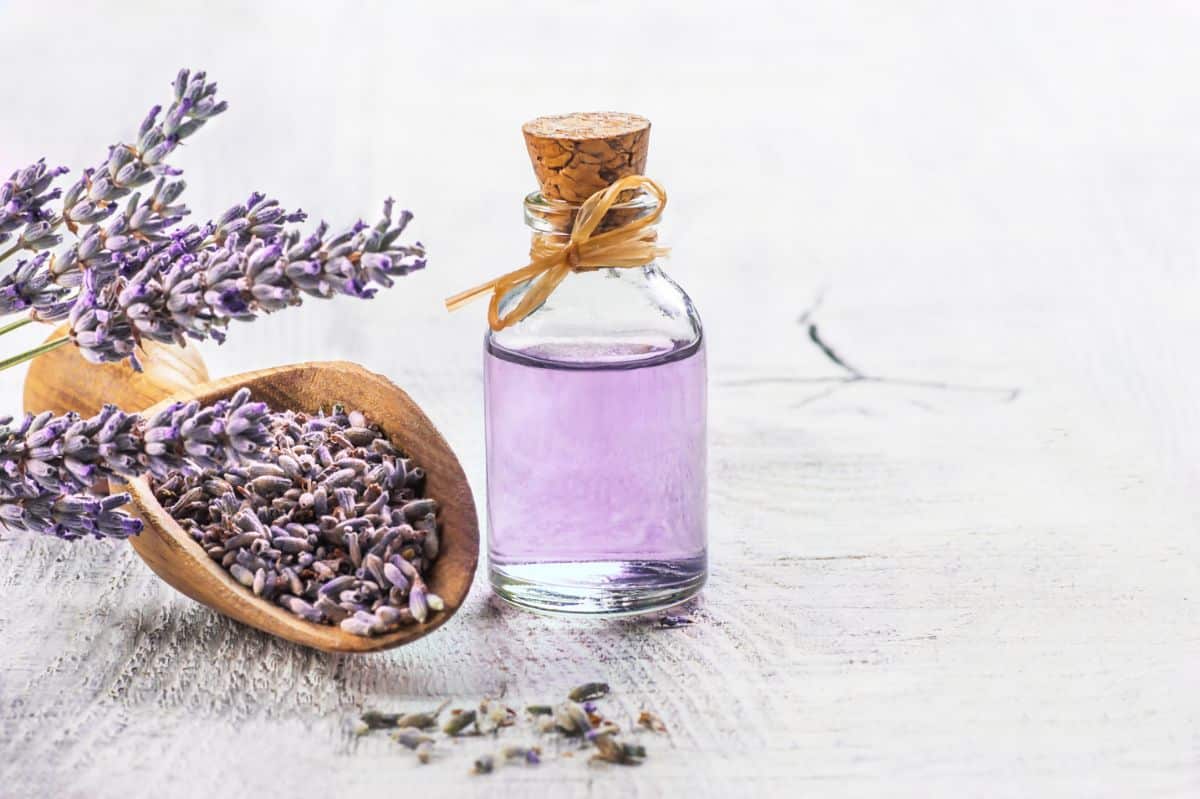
{"type": "Point", "coordinates": [623, 247]}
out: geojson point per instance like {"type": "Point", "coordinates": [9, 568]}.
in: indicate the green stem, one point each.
{"type": "Point", "coordinates": [11, 326]}
{"type": "Point", "coordinates": [10, 251]}
{"type": "Point", "coordinates": [29, 355]}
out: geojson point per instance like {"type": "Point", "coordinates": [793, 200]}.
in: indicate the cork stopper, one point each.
{"type": "Point", "coordinates": [577, 155]}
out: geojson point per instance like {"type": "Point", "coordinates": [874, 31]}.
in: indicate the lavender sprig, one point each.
{"type": "Point", "coordinates": [93, 198]}
{"type": "Point", "coordinates": [29, 287]}
{"type": "Point", "coordinates": [196, 293]}
{"type": "Point", "coordinates": [67, 516]}
{"type": "Point", "coordinates": [68, 453]}
{"type": "Point", "coordinates": [23, 199]}
{"type": "Point", "coordinates": [48, 462]}
{"type": "Point", "coordinates": [130, 239]}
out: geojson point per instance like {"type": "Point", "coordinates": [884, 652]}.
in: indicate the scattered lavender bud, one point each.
{"type": "Point", "coordinates": [571, 718]}
{"type": "Point", "coordinates": [459, 722]}
{"type": "Point", "coordinates": [376, 720]}
{"type": "Point", "coordinates": [587, 691]}
{"type": "Point", "coordinates": [411, 738]}
{"type": "Point", "coordinates": [422, 721]}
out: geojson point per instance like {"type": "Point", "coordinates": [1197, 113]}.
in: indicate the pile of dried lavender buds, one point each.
{"type": "Point", "coordinates": [332, 525]}
{"type": "Point", "coordinates": [577, 718]}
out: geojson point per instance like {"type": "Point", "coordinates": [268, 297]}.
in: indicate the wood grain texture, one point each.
{"type": "Point", "coordinates": [173, 555]}
{"type": "Point", "coordinates": [964, 566]}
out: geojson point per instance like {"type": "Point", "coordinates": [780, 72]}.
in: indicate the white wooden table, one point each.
{"type": "Point", "coordinates": [966, 566]}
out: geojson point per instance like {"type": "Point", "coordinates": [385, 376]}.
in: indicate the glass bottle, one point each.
{"type": "Point", "coordinates": [596, 433]}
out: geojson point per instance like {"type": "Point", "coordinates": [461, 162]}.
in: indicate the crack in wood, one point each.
{"type": "Point", "coordinates": [855, 375]}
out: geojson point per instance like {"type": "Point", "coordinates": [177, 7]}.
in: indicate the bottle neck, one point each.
{"type": "Point", "coordinates": [552, 220]}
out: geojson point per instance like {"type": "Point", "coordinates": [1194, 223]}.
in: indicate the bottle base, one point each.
{"type": "Point", "coordinates": [599, 589]}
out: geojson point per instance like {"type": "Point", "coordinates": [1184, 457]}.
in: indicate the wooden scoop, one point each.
{"type": "Point", "coordinates": [177, 558]}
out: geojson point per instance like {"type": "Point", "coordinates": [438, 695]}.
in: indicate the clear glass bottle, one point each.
{"type": "Point", "coordinates": [596, 438]}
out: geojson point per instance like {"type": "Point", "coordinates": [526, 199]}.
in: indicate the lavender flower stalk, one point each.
{"type": "Point", "coordinates": [23, 198]}
{"type": "Point", "coordinates": [47, 462]}
{"type": "Point", "coordinates": [29, 287]}
{"type": "Point", "coordinates": [93, 198]}
{"type": "Point", "coordinates": [196, 293]}
{"type": "Point", "coordinates": [67, 516]}
{"type": "Point", "coordinates": [141, 274]}
{"type": "Point", "coordinates": [70, 453]}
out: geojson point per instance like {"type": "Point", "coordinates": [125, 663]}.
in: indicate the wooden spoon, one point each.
{"type": "Point", "coordinates": [181, 561]}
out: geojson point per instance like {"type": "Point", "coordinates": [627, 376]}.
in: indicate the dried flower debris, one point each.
{"type": "Point", "coordinates": [333, 526]}
{"type": "Point", "coordinates": [651, 722]}
{"type": "Point", "coordinates": [577, 719]}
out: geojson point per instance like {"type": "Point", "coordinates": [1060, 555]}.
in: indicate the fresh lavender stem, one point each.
{"type": "Point", "coordinates": [11, 326]}
{"type": "Point", "coordinates": [29, 355]}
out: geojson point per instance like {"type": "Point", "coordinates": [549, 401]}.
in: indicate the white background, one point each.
{"type": "Point", "coordinates": [915, 589]}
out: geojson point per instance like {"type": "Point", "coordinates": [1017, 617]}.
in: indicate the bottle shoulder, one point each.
{"type": "Point", "coordinates": [614, 316]}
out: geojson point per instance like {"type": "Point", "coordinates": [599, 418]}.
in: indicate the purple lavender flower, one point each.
{"type": "Point", "coordinates": [29, 288]}
{"type": "Point", "coordinates": [68, 453]}
{"type": "Point", "coordinates": [130, 239]}
{"type": "Point", "coordinates": [66, 516]}
{"type": "Point", "coordinates": [129, 166]}
{"type": "Point", "coordinates": [23, 198]}
{"type": "Point", "coordinates": [189, 292]}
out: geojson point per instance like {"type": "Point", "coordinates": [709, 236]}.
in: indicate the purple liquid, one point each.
{"type": "Point", "coordinates": [597, 494]}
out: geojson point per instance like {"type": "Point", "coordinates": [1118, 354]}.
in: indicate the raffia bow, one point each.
{"type": "Point", "coordinates": [623, 247]}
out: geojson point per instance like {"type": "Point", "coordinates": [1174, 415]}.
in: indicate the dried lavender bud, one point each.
{"type": "Point", "coordinates": [610, 750]}
{"type": "Point", "coordinates": [587, 691]}
{"type": "Point", "coordinates": [530, 754]}
{"type": "Point", "coordinates": [410, 738]}
{"type": "Point", "coordinates": [486, 764]}
{"type": "Point", "coordinates": [493, 715]}
{"type": "Point", "coordinates": [343, 562]}
{"type": "Point", "coordinates": [459, 722]}
{"type": "Point", "coordinates": [571, 718]}
{"type": "Point", "coordinates": [651, 721]}
{"type": "Point", "coordinates": [195, 294]}
{"type": "Point", "coordinates": [422, 721]}
{"type": "Point", "coordinates": [376, 720]}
